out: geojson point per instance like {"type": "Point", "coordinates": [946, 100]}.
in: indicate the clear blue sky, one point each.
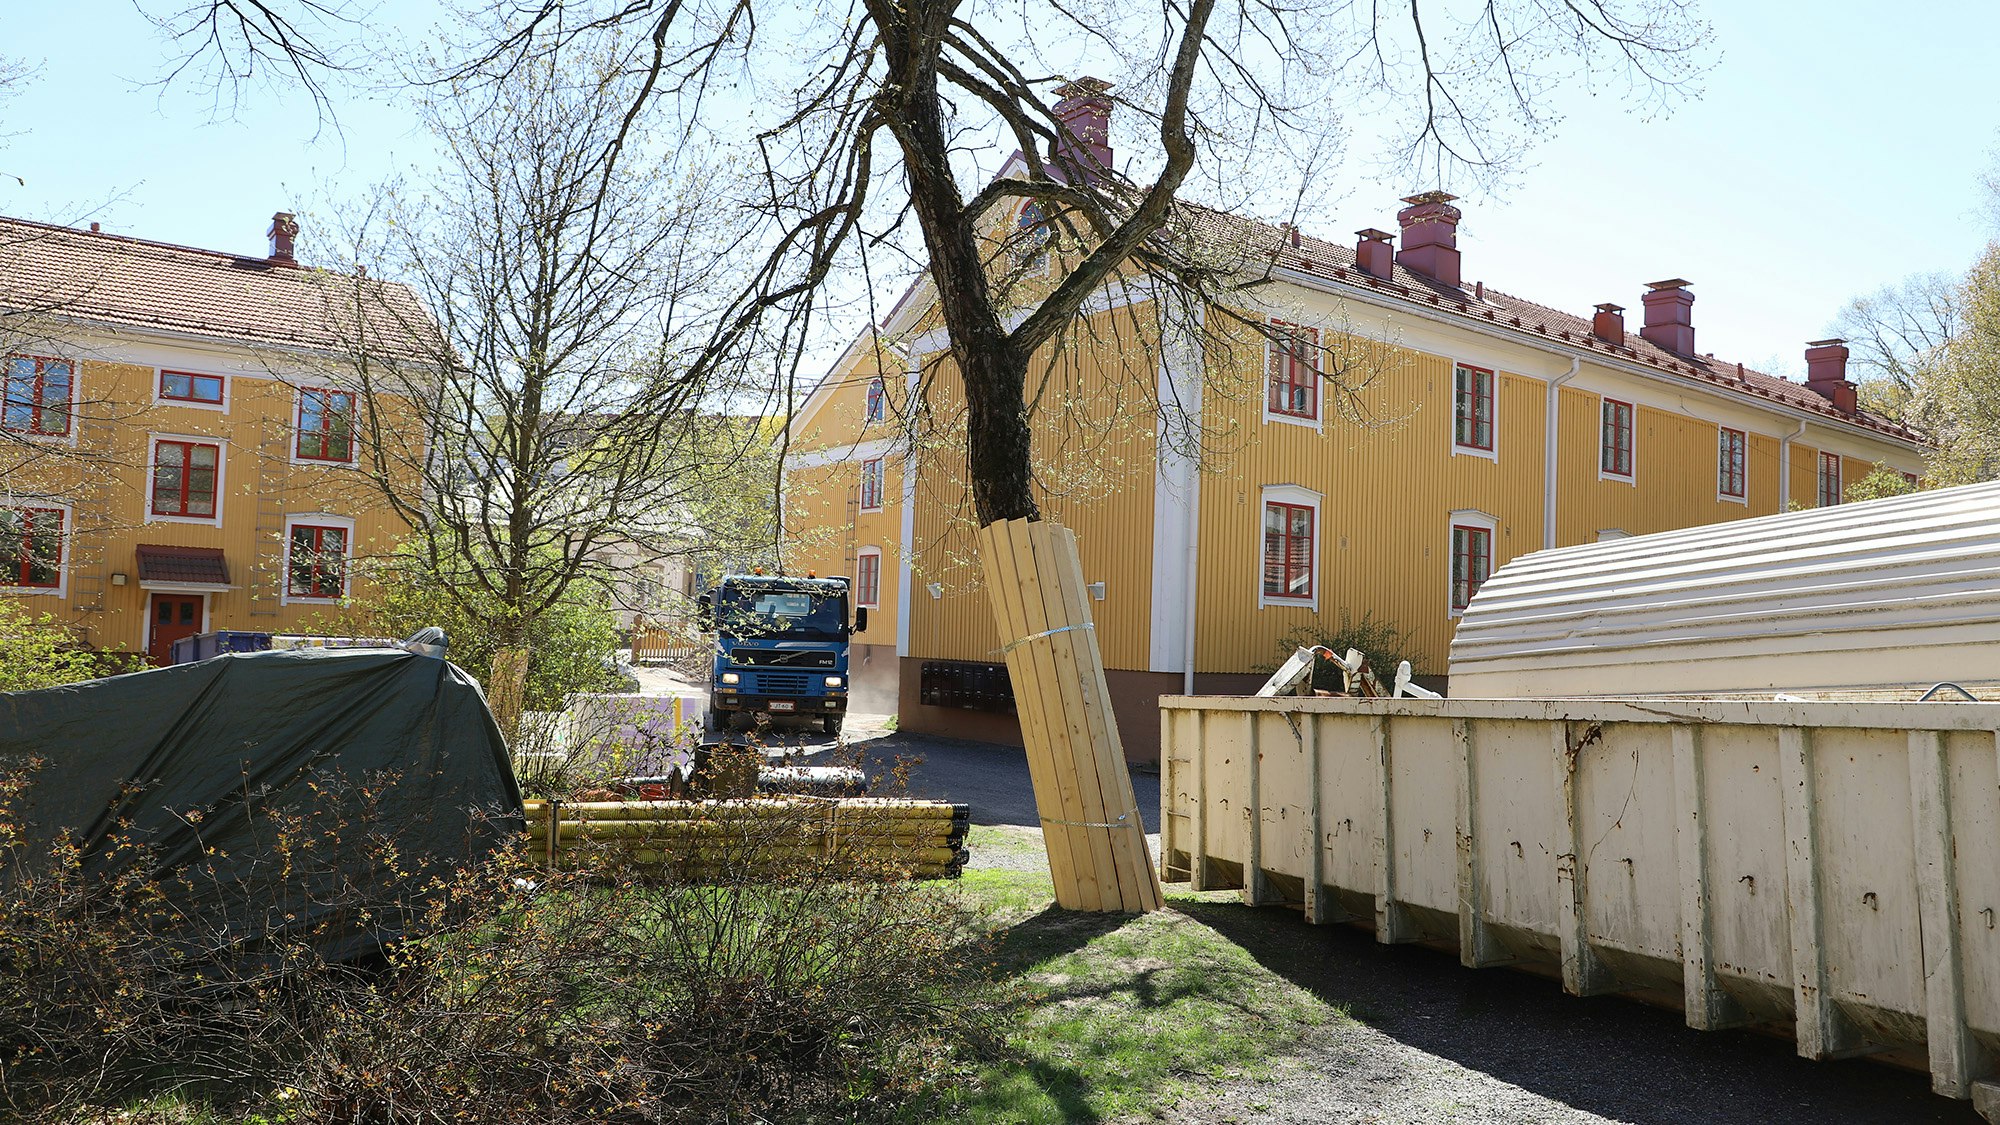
{"type": "Point", "coordinates": [1826, 157]}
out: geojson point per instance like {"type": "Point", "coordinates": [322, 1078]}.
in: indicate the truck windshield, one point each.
{"type": "Point", "coordinates": [781, 613]}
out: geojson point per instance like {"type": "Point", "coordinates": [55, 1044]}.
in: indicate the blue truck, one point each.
{"type": "Point", "coordinates": [780, 648]}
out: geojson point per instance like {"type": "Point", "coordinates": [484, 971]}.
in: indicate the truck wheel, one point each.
{"type": "Point", "coordinates": [831, 724]}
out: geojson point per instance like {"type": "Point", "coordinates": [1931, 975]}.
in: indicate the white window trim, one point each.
{"type": "Point", "coordinates": [221, 477]}
{"type": "Point", "coordinates": [1721, 496]}
{"type": "Point", "coordinates": [1469, 517]}
{"type": "Point", "coordinates": [1304, 498]}
{"type": "Point", "coordinates": [1316, 423]}
{"type": "Point", "coordinates": [1458, 450]}
{"type": "Point", "coordinates": [869, 418]}
{"type": "Point", "coordinates": [316, 519]}
{"type": "Point", "coordinates": [1607, 534]}
{"type": "Point", "coordinates": [881, 485]}
{"type": "Point", "coordinates": [876, 554]}
{"type": "Point", "coordinates": [1631, 478]}
{"type": "Point", "coordinates": [292, 442]}
{"type": "Point", "coordinates": [228, 390]}
{"type": "Point", "coordinates": [1040, 264]}
{"type": "Point", "coordinates": [75, 399]}
{"type": "Point", "coordinates": [61, 589]}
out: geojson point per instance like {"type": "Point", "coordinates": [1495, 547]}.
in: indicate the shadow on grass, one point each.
{"type": "Point", "coordinates": [1605, 1055]}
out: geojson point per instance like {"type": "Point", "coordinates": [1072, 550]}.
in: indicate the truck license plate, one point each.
{"type": "Point", "coordinates": [783, 705]}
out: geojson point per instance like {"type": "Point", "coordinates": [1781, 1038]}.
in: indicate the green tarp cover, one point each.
{"type": "Point", "coordinates": [311, 791]}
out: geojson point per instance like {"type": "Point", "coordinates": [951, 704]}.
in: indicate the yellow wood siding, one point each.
{"type": "Point", "coordinates": [825, 529]}
{"type": "Point", "coordinates": [1095, 471]}
{"type": "Point", "coordinates": [106, 484]}
{"type": "Point", "coordinates": [1388, 482]}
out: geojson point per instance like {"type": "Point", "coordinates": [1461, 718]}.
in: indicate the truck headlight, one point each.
{"type": "Point", "coordinates": [834, 681]}
{"type": "Point", "coordinates": [731, 678]}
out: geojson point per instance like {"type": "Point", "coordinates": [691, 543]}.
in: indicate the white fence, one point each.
{"type": "Point", "coordinates": [1826, 867]}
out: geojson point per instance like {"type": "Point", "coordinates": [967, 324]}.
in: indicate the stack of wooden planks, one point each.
{"type": "Point", "coordinates": [748, 838]}
{"type": "Point", "coordinates": [1091, 826]}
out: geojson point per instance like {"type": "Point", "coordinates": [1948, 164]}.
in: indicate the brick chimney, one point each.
{"type": "Point", "coordinates": [1609, 324]}
{"type": "Point", "coordinates": [284, 231]}
{"type": "Point", "coordinates": [1083, 147]}
{"type": "Point", "coordinates": [1670, 315]}
{"type": "Point", "coordinates": [1826, 374]}
{"type": "Point", "coordinates": [1374, 253]}
{"type": "Point", "coordinates": [1430, 236]}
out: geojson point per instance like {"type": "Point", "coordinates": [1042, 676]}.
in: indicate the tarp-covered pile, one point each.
{"type": "Point", "coordinates": [309, 792]}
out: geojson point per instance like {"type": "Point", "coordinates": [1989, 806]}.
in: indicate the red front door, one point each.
{"type": "Point", "coordinates": [173, 616]}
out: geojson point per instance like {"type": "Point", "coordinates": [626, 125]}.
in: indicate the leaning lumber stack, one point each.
{"type": "Point", "coordinates": [754, 838]}
{"type": "Point", "coordinates": [1091, 825]}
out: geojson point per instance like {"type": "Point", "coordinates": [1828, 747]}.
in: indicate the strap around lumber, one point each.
{"type": "Point", "coordinates": [1010, 646]}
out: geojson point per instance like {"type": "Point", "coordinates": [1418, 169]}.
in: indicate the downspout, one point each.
{"type": "Point", "coordinates": [1193, 554]}
{"type": "Point", "coordinates": [1552, 415]}
{"type": "Point", "coordinates": [1785, 466]}
{"type": "Point", "coordinates": [1189, 607]}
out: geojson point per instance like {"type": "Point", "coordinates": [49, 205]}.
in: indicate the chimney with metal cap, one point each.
{"type": "Point", "coordinates": [1430, 236]}
{"type": "Point", "coordinates": [1826, 374]}
{"type": "Point", "coordinates": [1670, 315]}
{"type": "Point", "coordinates": [1609, 324]}
{"type": "Point", "coordinates": [1374, 254]}
{"type": "Point", "coordinates": [283, 233]}
{"type": "Point", "coordinates": [1083, 142]}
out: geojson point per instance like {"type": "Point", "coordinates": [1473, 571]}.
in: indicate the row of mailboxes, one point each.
{"type": "Point", "coordinates": [966, 685]}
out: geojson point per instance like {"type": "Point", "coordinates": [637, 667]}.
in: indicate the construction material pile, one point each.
{"type": "Point", "coordinates": [729, 840]}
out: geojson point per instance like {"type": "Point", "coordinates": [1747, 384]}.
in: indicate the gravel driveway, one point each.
{"type": "Point", "coordinates": [1437, 1043]}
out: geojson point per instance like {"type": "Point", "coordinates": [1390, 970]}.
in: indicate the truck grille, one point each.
{"type": "Point", "coordinates": [781, 683]}
{"type": "Point", "coordinates": [765, 657]}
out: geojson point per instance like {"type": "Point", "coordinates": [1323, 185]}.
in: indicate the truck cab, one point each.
{"type": "Point", "coordinates": [780, 647]}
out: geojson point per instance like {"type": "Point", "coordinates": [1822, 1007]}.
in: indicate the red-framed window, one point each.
{"type": "Point", "coordinates": [184, 478]}
{"type": "Point", "coordinates": [1288, 551]}
{"type": "Point", "coordinates": [1615, 441]}
{"type": "Point", "coordinates": [35, 394]}
{"type": "Point", "coordinates": [187, 386]}
{"type": "Point", "coordinates": [1471, 562]}
{"type": "Point", "coordinates": [871, 485]}
{"type": "Point", "coordinates": [1293, 365]}
{"type": "Point", "coordinates": [1829, 479]}
{"type": "Point", "coordinates": [1472, 407]}
{"type": "Point", "coordinates": [877, 401]}
{"type": "Point", "coordinates": [1732, 459]}
{"type": "Point", "coordinates": [31, 546]}
{"type": "Point", "coordinates": [868, 579]}
{"type": "Point", "coordinates": [317, 567]}
{"type": "Point", "coordinates": [326, 425]}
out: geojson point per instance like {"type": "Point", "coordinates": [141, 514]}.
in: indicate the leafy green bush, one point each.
{"type": "Point", "coordinates": [37, 652]}
{"type": "Point", "coordinates": [567, 641]}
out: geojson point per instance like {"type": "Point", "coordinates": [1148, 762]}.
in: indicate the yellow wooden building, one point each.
{"type": "Point", "coordinates": [1231, 502]}
{"type": "Point", "coordinates": [179, 451]}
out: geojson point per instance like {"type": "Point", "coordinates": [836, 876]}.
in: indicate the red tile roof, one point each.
{"type": "Point", "coordinates": [114, 280]}
{"type": "Point", "coordinates": [182, 564]}
{"type": "Point", "coordinates": [1258, 243]}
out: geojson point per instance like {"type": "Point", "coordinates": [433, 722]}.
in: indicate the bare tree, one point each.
{"type": "Point", "coordinates": [886, 115]}
{"type": "Point", "coordinates": [553, 437]}
{"type": "Point", "coordinates": [1899, 335]}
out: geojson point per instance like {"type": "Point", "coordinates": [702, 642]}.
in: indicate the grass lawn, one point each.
{"type": "Point", "coordinates": [1116, 1017]}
